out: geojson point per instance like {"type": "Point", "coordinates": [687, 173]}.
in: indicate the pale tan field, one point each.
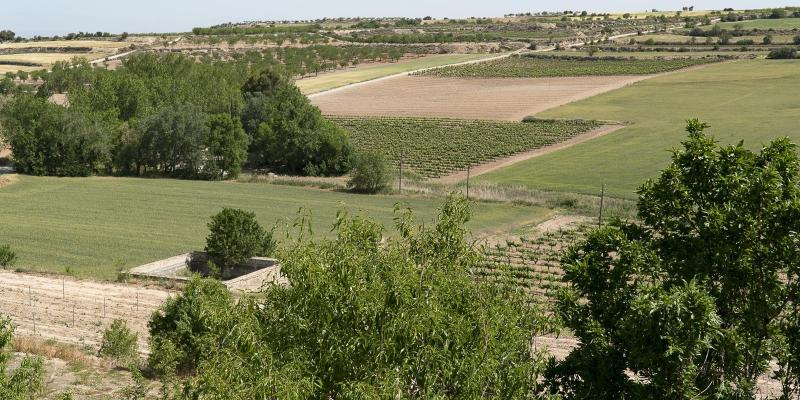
{"type": "Point", "coordinates": [495, 99]}
{"type": "Point", "coordinates": [49, 58]}
{"type": "Point", "coordinates": [45, 307]}
{"type": "Point", "coordinates": [15, 68]}
{"type": "Point", "coordinates": [96, 44]}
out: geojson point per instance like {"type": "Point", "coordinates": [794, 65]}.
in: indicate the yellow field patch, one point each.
{"type": "Point", "coordinates": [47, 58]}
{"type": "Point", "coordinates": [95, 44]}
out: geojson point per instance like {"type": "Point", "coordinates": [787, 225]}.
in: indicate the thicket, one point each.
{"type": "Point", "coordinates": [27, 380]}
{"type": "Point", "coordinates": [363, 316]}
{"type": "Point", "coordinates": [783, 53]}
{"type": "Point", "coordinates": [169, 115]}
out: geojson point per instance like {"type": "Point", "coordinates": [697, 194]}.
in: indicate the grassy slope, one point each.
{"type": "Point", "coordinates": [782, 23]}
{"type": "Point", "coordinates": [97, 225]}
{"type": "Point", "coordinates": [368, 72]}
{"type": "Point", "coordinates": [753, 100]}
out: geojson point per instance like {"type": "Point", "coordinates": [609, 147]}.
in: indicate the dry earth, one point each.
{"type": "Point", "coordinates": [494, 99]}
{"type": "Point", "coordinates": [75, 311]}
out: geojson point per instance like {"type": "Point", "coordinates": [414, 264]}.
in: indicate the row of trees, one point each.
{"type": "Point", "coordinates": [698, 299]}
{"type": "Point", "coordinates": [169, 115]}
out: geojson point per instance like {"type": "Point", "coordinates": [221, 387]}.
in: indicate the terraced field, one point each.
{"type": "Point", "coordinates": [540, 66]}
{"type": "Point", "coordinates": [437, 146]}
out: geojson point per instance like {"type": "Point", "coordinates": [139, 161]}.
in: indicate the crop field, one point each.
{"type": "Point", "coordinates": [656, 54]}
{"type": "Point", "coordinates": [15, 68]}
{"type": "Point", "coordinates": [373, 71]}
{"type": "Point", "coordinates": [97, 226]}
{"type": "Point", "coordinates": [729, 96]}
{"type": "Point", "coordinates": [46, 58]}
{"type": "Point", "coordinates": [507, 99]}
{"type": "Point", "coordinates": [782, 23]}
{"type": "Point", "coordinates": [436, 147]}
{"type": "Point", "coordinates": [95, 44]}
{"type": "Point", "coordinates": [543, 66]}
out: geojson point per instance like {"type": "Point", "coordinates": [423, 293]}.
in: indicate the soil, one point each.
{"type": "Point", "coordinates": [493, 99]}
{"type": "Point", "coordinates": [505, 162]}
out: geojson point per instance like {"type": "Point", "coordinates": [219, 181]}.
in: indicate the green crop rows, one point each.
{"type": "Point", "coordinates": [436, 147]}
{"type": "Point", "coordinates": [556, 66]}
{"type": "Point", "coordinates": [532, 262]}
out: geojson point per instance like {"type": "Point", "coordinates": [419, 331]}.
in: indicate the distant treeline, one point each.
{"type": "Point", "coordinates": [256, 30]}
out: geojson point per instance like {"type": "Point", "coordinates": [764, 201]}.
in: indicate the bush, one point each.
{"type": "Point", "coordinates": [369, 317]}
{"type": "Point", "coordinates": [370, 173]}
{"type": "Point", "coordinates": [7, 256]}
{"type": "Point", "coordinates": [796, 39]}
{"type": "Point", "coordinates": [235, 236]}
{"type": "Point", "coordinates": [783, 53]}
{"type": "Point", "coordinates": [27, 380]}
{"type": "Point", "coordinates": [119, 343]}
{"type": "Point", "coordinates": [188, 327]}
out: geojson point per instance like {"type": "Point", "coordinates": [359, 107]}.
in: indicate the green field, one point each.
{"type": "Point", "coordinates": [751, 100]}
{"type": "Point", "coordinates": [782, 23]}
{"type": "Point", "coordinates": [654, 54]}
{"type": "Point", "coordinates": [554, 66]}
{"type": "Point", "coordinates": [436, 147]}
{"type": "Point", "coordinates": [97, 225]}
{"type": "Point", "coordinates": [369, 72]}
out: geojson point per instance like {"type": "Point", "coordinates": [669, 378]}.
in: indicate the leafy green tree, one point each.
{"type": "Point", "coordinates": [782, 53]}
{"type": "Point", "coordinates": [288, 134]}
{"type": "Point", "coordinates": [698, 298]}
{"type": "Point", "coordinates": [7, 35]}
{"type": "Point", "coordinates": [119, 342]}
{"type": "Point", "coordinates": [370, 174]}
{"type": "Point", "coordinates": [364, 316]}
{"type": "Point", "coordinates": [235, 236]}
{"type": "Point", "coordinates": [173, 141]}
{"type": "Point", "coordinates": [27, 380]}
{"type": "Point", "coordinates": [227, 146]}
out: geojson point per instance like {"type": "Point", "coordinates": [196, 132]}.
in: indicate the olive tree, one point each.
{"type": "Point", "coordinates": [702, 294]}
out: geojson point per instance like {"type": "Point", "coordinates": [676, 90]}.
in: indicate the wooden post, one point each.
{"type": "Point", "coordinates": [30, 296]}
{"type": "Point", "coordinates": [602, 197]}
{"type": "Point", "coordinates": [468, 181]}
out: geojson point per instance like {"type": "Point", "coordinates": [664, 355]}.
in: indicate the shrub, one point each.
{"type": "Point", "coordinates": [235, 236]}
{"type": "Point", "coordinates": [783, 53]}
{"type": "Point", "coordinates": [27, 379]}
{"type": "Point", "coordinates": [188, 327]}
{"type": "Point", "coordinates": [796, 39]}
{"type": "Point", "coordinates": [367, 317]}
{"type": "Point", "coordinates": [119, 343]}
{"type": "Point", "coordinates": [7, 256]}
{"type": "Point", "coordinates": [370, 173]}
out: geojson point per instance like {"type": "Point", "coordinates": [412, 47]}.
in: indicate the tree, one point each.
{"type": "Point", "coordinates": [370, 173]}
{"type": "Point", "coordinates": [235, 236]}
{"type": "Point", "coordinates": [701, 295]}
{"type": "Point", "coordinates": [364, 316]}
{"type": "Point", "coordinates": [725, 37]}
{"type": "Point", "coordinates": [778, 13]}
{"type": "Point", "coordinates": [287, 133]}
{"type": "Point", "coordinates": [173, 141]}
{"type": "Point", "coordinates": [119, 342]}
{"type": "Point", "coordinates": [796, 39]}
{"type": "Point", "coordinates": [767, 39]}
{"type": "Point", "coordinates": [227, 146]}
{"type": "Point", "coordinates": [7, 36]}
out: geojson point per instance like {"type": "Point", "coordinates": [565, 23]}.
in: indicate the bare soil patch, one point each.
{"type": "Point", "coordinates": [495, 99]}
{"type": "Point", "coordinates": [75, 311]}
{"type": "Point", "coordinates": [7, 179]}
{"type": "Point", "coordinates": [505, 162]}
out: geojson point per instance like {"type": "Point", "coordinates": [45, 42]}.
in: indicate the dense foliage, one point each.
{"type": "Point", "coordinates": [544, 66]}
{"type": "Point", "coordinates": [7, 256]}
{"type": "Point", "coordinates": [371, 173]}
{"type": "Point", "coordinates": [170, 115]}
{"type": "Point", "coordinates": [235, 236]}
{"type": "Point", "coordinates": [27, 380]}
{"type": "Point", "coordinates": [366, 317]}
{"type": "Point", "coordinates": [783, 53]}
{"type": "Point", "coordinates": [437, 146]}
{"type": "Point", "coordinates": [701, 298]}
{"type": "Point", "coordinates": [119, 342]}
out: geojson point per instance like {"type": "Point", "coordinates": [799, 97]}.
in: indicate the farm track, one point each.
{"type": "Point", "coordinates": [506, 161]}
{"type": "Point", "coordinates": [45, 306]}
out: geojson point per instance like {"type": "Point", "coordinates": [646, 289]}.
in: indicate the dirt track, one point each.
{"type": "Point", "coordinates": [41, 306]}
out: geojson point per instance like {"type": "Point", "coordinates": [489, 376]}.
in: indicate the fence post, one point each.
{"type": "Point", "coordinates": [602, 197]}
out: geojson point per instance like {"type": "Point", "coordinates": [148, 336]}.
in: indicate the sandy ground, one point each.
{"type": "Point", "coordinates": [495, 99]}
{"type": "Point", "coordinates": [75, 311]}
{"type": "Point", "coordinates": [505, 162]}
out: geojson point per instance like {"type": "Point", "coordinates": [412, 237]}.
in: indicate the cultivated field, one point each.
{"type": "Point", "coordinates": [550, 66]}
{"type": "Point", "coordinates": [782, 23]}
{"type": "Point", "coordinates": [368, 72]}
{"type": "Point", "coordinates": [729, 96]}
{"type": "Point", "coordinates": [73, 311]}
{"type": "Point", "coordinates": [47, 58]}
{"type": "Point", "coordinates": [506, 99]}
{"type": "Point", "coordinates": [98, 226]}
{"type": "Point", "coordinates": [436, 147]}
{"type": "Point", "coordinates": [96, 44]}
